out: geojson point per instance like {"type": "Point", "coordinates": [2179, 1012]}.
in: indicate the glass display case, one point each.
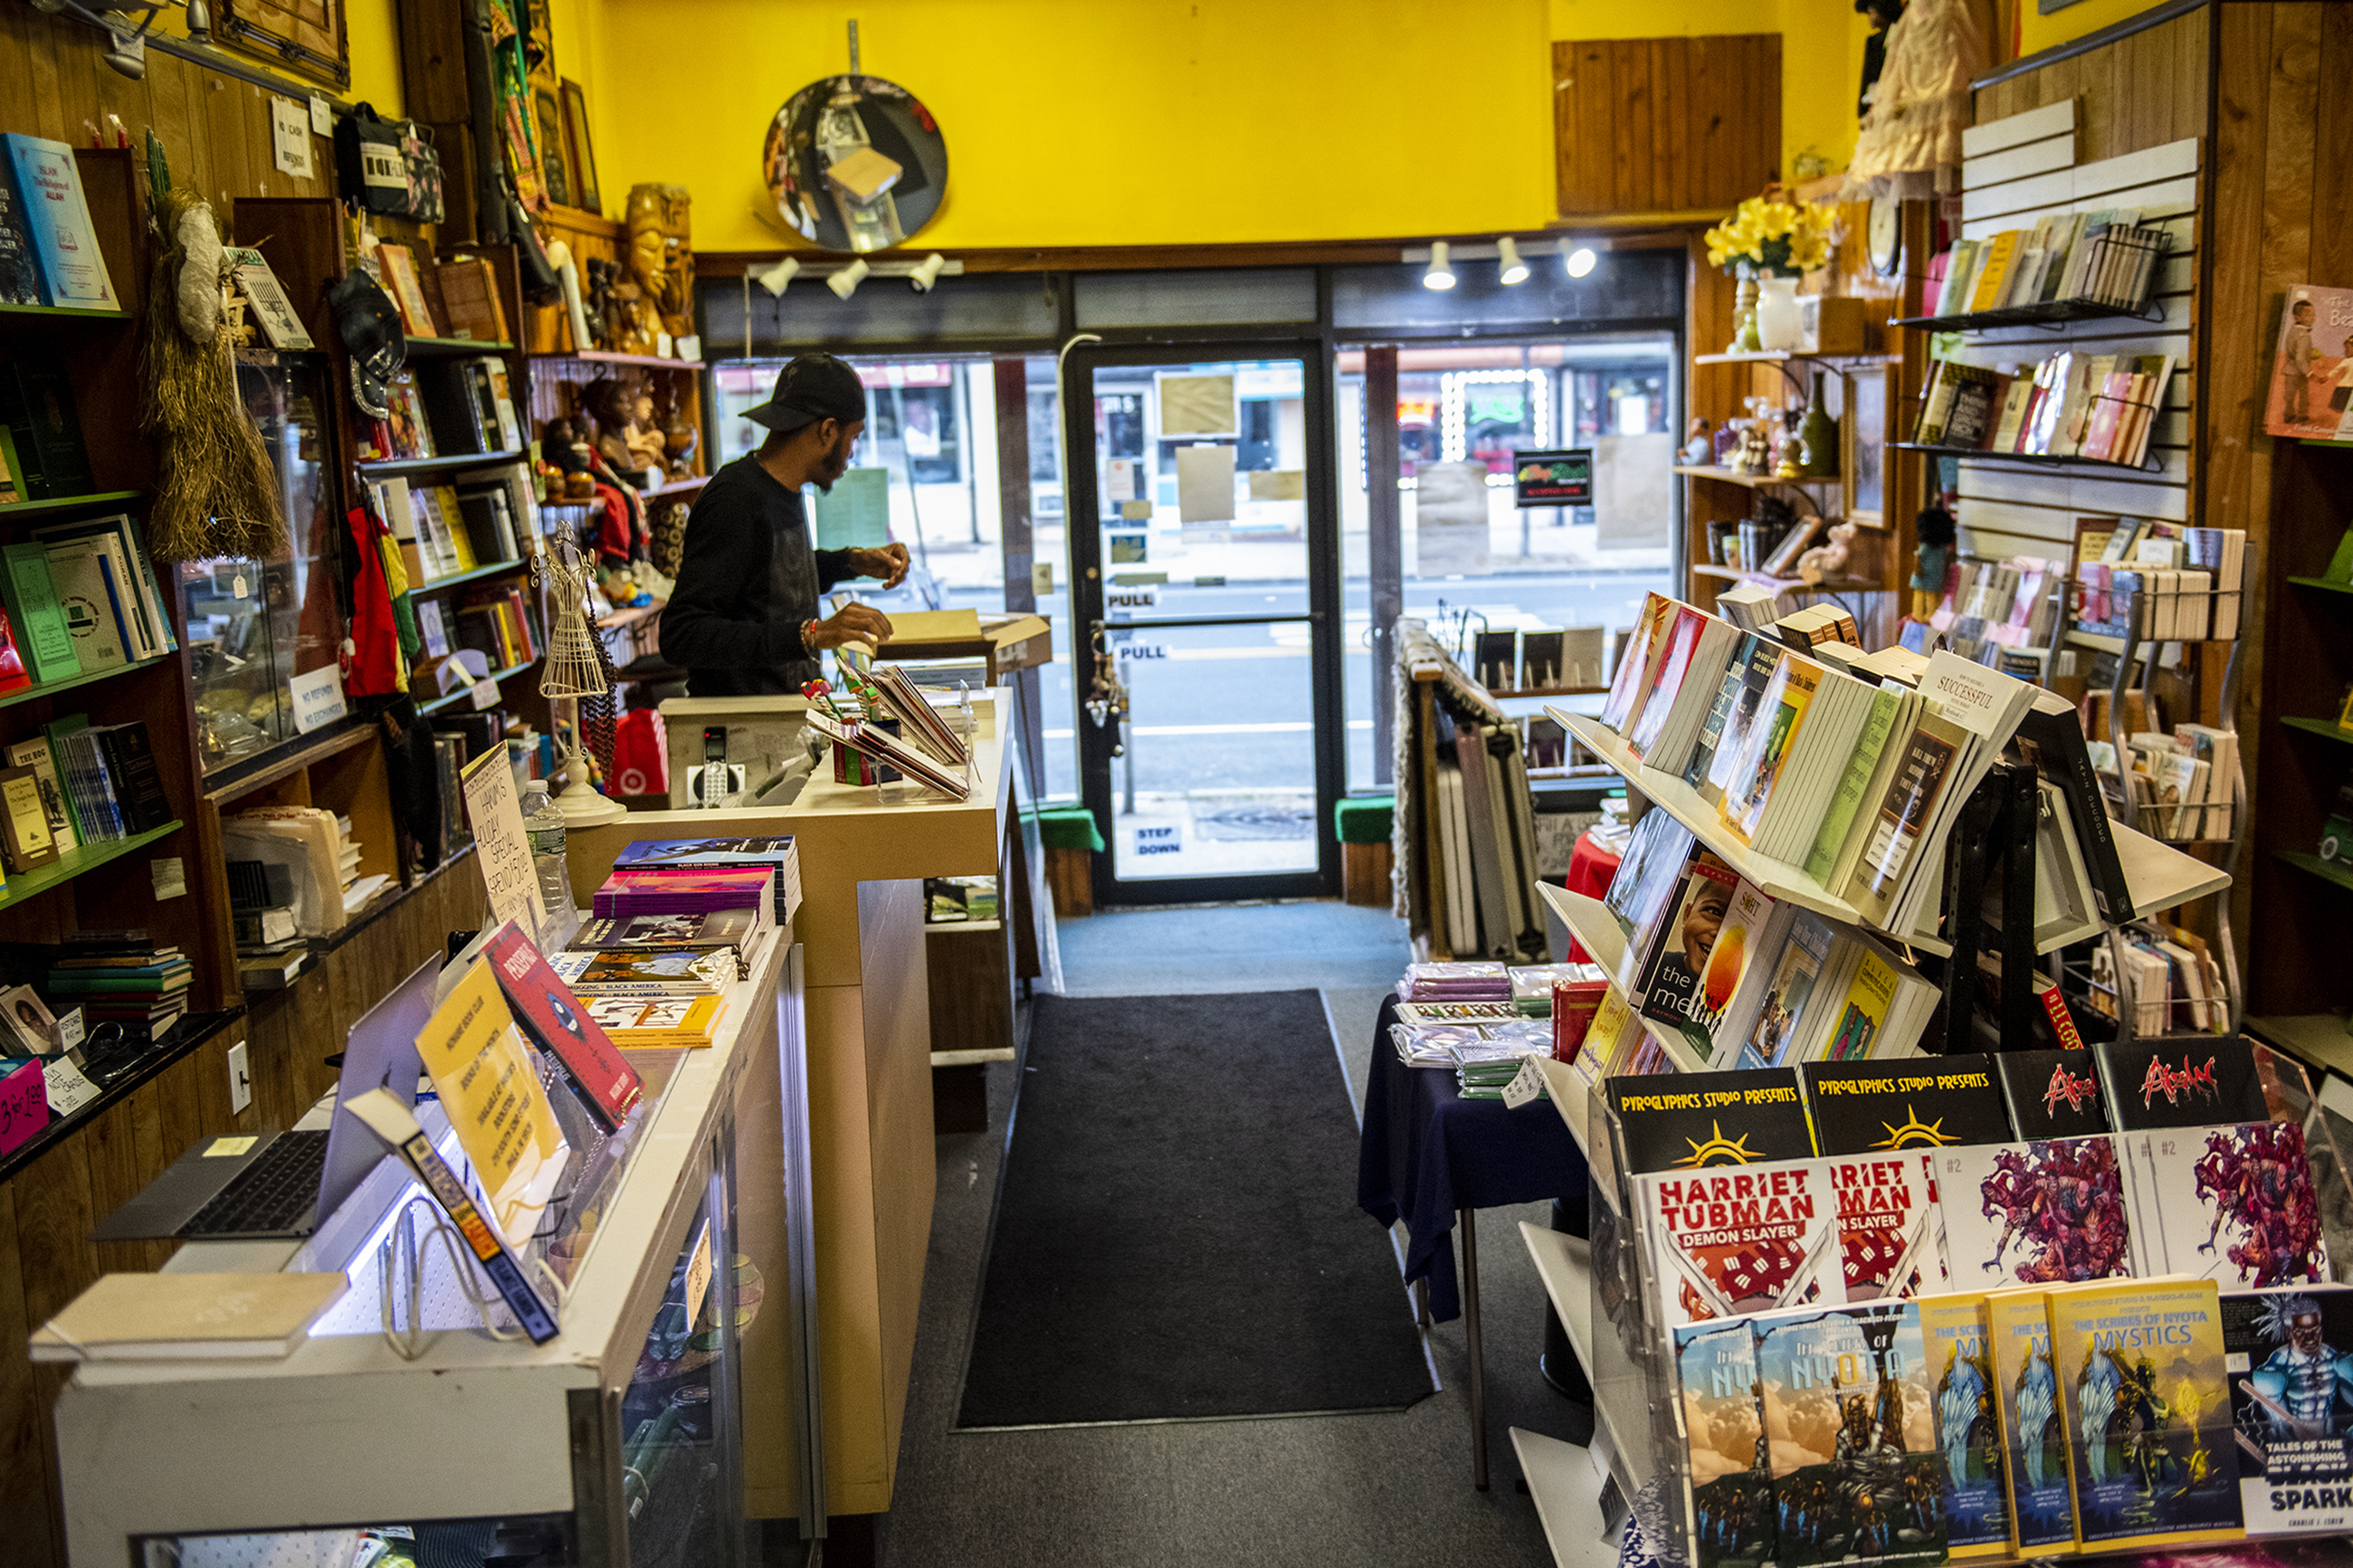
{"type": "Point", "coordinates": [253, 624]}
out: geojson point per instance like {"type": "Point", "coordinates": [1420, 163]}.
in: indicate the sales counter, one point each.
{"type": "Point", "coordinates": [865, 853]}
{"type": "Point", "coordinates": [619, 1436]}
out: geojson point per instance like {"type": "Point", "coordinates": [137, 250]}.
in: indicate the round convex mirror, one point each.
{"type": "Point", "coordinates": [855, 163]}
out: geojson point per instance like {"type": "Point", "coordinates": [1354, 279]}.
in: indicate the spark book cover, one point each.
{"type": "Point", "coordinates": [1969, 1428]}
{"type": "Point", "coordinates": [1851, 1435]}
{"type": "Point", "coordinates": [2150, 1453]}
{"type": "Point", "coordinates": [2049, 1213]}
{"type": "Point", "coordinates": [1728, 1504]}
{"type": "Point", "coordinates": [2033, 1438]}
{"type": "Point", "coordinates": [2288, 1355]}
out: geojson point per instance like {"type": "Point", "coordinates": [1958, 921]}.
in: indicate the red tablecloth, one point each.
{"type": "Point", "coordinates": [1590, 868]}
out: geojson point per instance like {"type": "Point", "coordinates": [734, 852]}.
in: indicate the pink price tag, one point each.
{"type": "Point", "coordinates": [24, 1105]}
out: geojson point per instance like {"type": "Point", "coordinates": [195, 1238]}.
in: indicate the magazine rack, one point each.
{"type": "Point", "coordinates": [1628, 1353]}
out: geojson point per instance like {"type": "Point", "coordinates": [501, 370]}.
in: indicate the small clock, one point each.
{"type": "Point", "coordinates": [1886, 234]}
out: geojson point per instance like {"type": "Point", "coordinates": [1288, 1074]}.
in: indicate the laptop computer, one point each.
{"type": "Point", "coordinates": [283, 1185]}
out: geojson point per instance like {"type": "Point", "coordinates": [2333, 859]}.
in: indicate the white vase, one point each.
{"type": "Point", "coordinates": [1777, 313]}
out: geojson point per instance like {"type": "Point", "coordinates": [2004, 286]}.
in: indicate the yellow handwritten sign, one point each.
{"type": "Point", "coordinates": [492, 1098]}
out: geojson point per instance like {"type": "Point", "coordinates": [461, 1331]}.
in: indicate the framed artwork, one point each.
{"type": "Point", "coordinates": [307, 37]}
{"type": "Point", "coordinates": [554, 164]}
{"type": "Point", "coordinates": [1865, 461]}
{"type": "Point", "coordinates": [585, 193]}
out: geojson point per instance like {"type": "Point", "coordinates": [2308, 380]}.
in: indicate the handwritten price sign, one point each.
{"type": "Point", "coordinates": [24, 1105]}
{"type": "Point", "coordinates": [502, 849]}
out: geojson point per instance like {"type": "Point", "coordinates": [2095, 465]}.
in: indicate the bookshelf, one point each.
{"type": "Point", "coordinates": [456, 463]}
{"type": "Point", "coordinates": [57, 505]}
{"type": "Point", "coordinates": [32, 884]}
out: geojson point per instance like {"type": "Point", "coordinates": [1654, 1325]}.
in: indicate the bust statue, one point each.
{"type": "Point", "coordinates": [661, 259]}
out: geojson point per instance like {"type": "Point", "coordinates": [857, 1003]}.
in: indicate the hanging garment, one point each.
{"type": "Point", "coordinates": [1911, 141]}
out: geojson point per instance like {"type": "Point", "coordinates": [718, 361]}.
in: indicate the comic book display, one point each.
{"type": "Point", "coordinates": [2288, 1355]}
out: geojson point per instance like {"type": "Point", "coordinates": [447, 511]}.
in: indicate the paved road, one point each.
{"type": "Point", "coordinates": [1230, 707]}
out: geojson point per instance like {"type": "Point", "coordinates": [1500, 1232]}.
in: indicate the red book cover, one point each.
{"type": "Point", "coordinates": [13, 674]}
{"type": "Point", "coordinates": [554, 1016]}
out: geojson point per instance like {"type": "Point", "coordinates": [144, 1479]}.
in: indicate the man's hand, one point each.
{"type": "Point", "coordinates": [854, 623]}
{"type": "Point", "coordinates": [887, 564]}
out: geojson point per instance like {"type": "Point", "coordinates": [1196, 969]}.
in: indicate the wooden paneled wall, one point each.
{"type": "Point", "coordinates": [46, 1209]}
{"type": "Point", "coordinates": [1666, 125]}
{"type": "Point", "coordinates": [2282, 137]}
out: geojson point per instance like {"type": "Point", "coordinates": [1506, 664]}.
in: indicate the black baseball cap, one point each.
{"type": "Point", "coordinates": [813, 387]}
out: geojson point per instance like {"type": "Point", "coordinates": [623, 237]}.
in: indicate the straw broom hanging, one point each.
{"type": "Point", "coordinates": [215, 492]}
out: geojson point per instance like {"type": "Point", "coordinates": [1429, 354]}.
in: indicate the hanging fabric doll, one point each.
{"type": "Point", "coordinates": [1911, 138]}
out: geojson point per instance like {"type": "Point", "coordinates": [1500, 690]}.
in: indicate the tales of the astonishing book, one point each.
{"type": "Point", "coordinates": [2149, 1448]}
{"type": "Point", "coordinates": [1969, 1429]}
{"type": "Point", "coordinates": [2289, 1357]}
{"type": "Point", "coordinates": [1851, 1439]}
{"type": "Point", "coordinates": [1728, 1499]}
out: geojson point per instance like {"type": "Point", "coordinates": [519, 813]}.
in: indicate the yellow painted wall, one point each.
{"type": "Point", "coordinates": [375, 33]}
{"type": "Point", "coordinates": [1110, 121]}
{"type": "Point", "coordinates": [2036, 32]}
{"type": "Point", "coordinates": [1821, 55]}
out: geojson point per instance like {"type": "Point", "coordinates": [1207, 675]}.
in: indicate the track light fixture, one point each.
{"type": "Point", "coordinates": [774, 279]}
{"type": "Point", "coordinates": [1514, 270]}
{"type": "Point", "coordinates": [1580, 261]}
{"type": "Point", "coordinates": [927, 272]}
{"type": "Point", "coordinates": [1439, 275]}
{"type": "Point", "coordinates": [845, 282]}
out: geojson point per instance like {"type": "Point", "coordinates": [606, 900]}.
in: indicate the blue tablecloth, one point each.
{"type": "Point", "coordinates": [1426, 1152]}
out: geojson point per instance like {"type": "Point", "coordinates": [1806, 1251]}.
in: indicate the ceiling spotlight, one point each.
{"type": "Point", "coordinates": [774, 279]}
{"type": "Point", "coordinates": [845, 282]}
{"type": "Point", "coordinates": [927, 272]}
{"type": "Point", "coordinates": [1515, 269]}
{"type": "Point", "coordinates": [1580, 261]}
{"type": "Point", "coordinates": [1439, 274]}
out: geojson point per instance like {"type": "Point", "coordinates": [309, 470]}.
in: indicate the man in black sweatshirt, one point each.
{"type": "Point", "coordinates": [744, 617]}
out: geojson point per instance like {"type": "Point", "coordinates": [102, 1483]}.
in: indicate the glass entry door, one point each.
{"type": "Point", "coordinates": [1209, 582]}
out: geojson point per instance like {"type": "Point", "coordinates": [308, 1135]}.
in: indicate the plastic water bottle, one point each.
{"type": "Point", "coordinates": [544, 824]}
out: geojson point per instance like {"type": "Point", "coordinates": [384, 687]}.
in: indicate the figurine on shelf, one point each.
{"type": "Point", "coordinates": [662, 261]}
{"type": "Point", "coordinates": [1756, 450]}
{"type": "Point", "coordinates": [1697, 446]}
{"type": "Point", "coordinates": [565, 449]}
{"type": "Point", "coordinates": [598, 305]}
{"type": "Point", "coordinates": [679, 436]}
{"type": "Point", "coordinates": [1933, 561]}
{"type": "Point", "coordinates": [630, 325]}
{"type": "Point", "coordinates": [651, 443]}
{"type": "Point", "coordinates": [1827, 560]}
{"type": "Point", "coordinates": [620, 589]}
{"type": "Point", "coordinates": [624, 443]}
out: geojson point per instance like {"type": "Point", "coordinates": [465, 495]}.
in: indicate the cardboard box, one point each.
{"type": "Point", "coordinates": [863, 175]}
{"type": "Point", "coordinates": [1829, 324]}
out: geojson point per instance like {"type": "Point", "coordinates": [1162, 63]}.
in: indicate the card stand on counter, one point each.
{"type": "Point", "coordinates": [1688, 1513]}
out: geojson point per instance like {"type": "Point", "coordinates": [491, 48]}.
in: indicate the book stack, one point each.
{"type": "Point", "coordinates": [672, 890]}
{"type": "Point", "coordinates": [320, 858]}
{"type": "Point", "coordinates": [1463, 980]}
{"type": "Point", "coordinates": [636, 971]}
{"type": "Point", "coordinates": [119, 977]}
{"type": "Point", "coordinates": [777, 854]}
{"type": "Point", "coordinates": [658, 1023]}
{"type": "Point", "coordinates": [2163, 581]}
{"type": "Point", "coordinates": [2087, 408]}
{"type": "Point", "coordinates": [2106, 259]}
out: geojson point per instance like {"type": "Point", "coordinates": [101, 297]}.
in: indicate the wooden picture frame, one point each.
{"type": "Point", "coordinates": [1862, 441]}
{"type": "Point", "coordinates": [554, 163]}
{"type": "Point", "coordinates": [581, 149]}
{"type": "Point", "coordinates": [25, 820]}
{"type": "Point", "coordinates": [307, 37]}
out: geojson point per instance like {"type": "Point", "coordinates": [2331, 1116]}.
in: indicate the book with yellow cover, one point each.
{"type": "Point", "coordinates": [2151, 1455]}
{"type": "Point", "coordinates": [492, 1097]}
{"type": "Point", "coordinates": [1988, 289]}
{"type": "Point", "coordinates": [2034, 1438]}
{"type": "Point", "coordinates": [1772, 740]}
{"type": "Point", "coordinates": [1969, 1428]}
{"type": "Point", "coordinates": [657, 1022]}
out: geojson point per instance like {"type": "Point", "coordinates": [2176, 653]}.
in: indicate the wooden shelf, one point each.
{"type": "Point", "coordinates": [68, 503]}
{"type": "Point", "coordinates": [2314, 865]}
{"type": "Point", "coordinates": [599, 357]}
{"type": "Point", "coordinates": [1750, 481]}
{"type": "Point", "coordinates": [2329, 585]}
{"type": "Point", "coordinates": [2318, 1039]}
{"type": "Point", "coordinates": [472, 574]}
{"type": "Point", "coordinates": [40, 314]}
{"type": "Point", "coordinates": [250, 773]}
{"type": "Point", "coordinates": [2327, 727]}
{"type": "Point", "coordinates": [2148, 465]}
{"type": "Point", "coordinates": [394, 467]}
{"type": "Point", "coordinates": [2053, 314]}
{"type": "Point", "coordinates": [1827, 586]}
{"type": "Point", "coordinates": [463, 693]}
{"type": "Point", "coordinates": [32, 884]}
{"type": "Point", "coordinates": [1783, 357]}
{"type": "Point", "coordinates": [435, 346]}
{"type": "Point", "coordinates": [51, 688]}
{"type": "Point", "coordinates": [675, 487]}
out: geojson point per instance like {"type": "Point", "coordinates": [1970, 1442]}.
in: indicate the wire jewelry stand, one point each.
{"type": "Point", "coordinates": [573, 670]}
